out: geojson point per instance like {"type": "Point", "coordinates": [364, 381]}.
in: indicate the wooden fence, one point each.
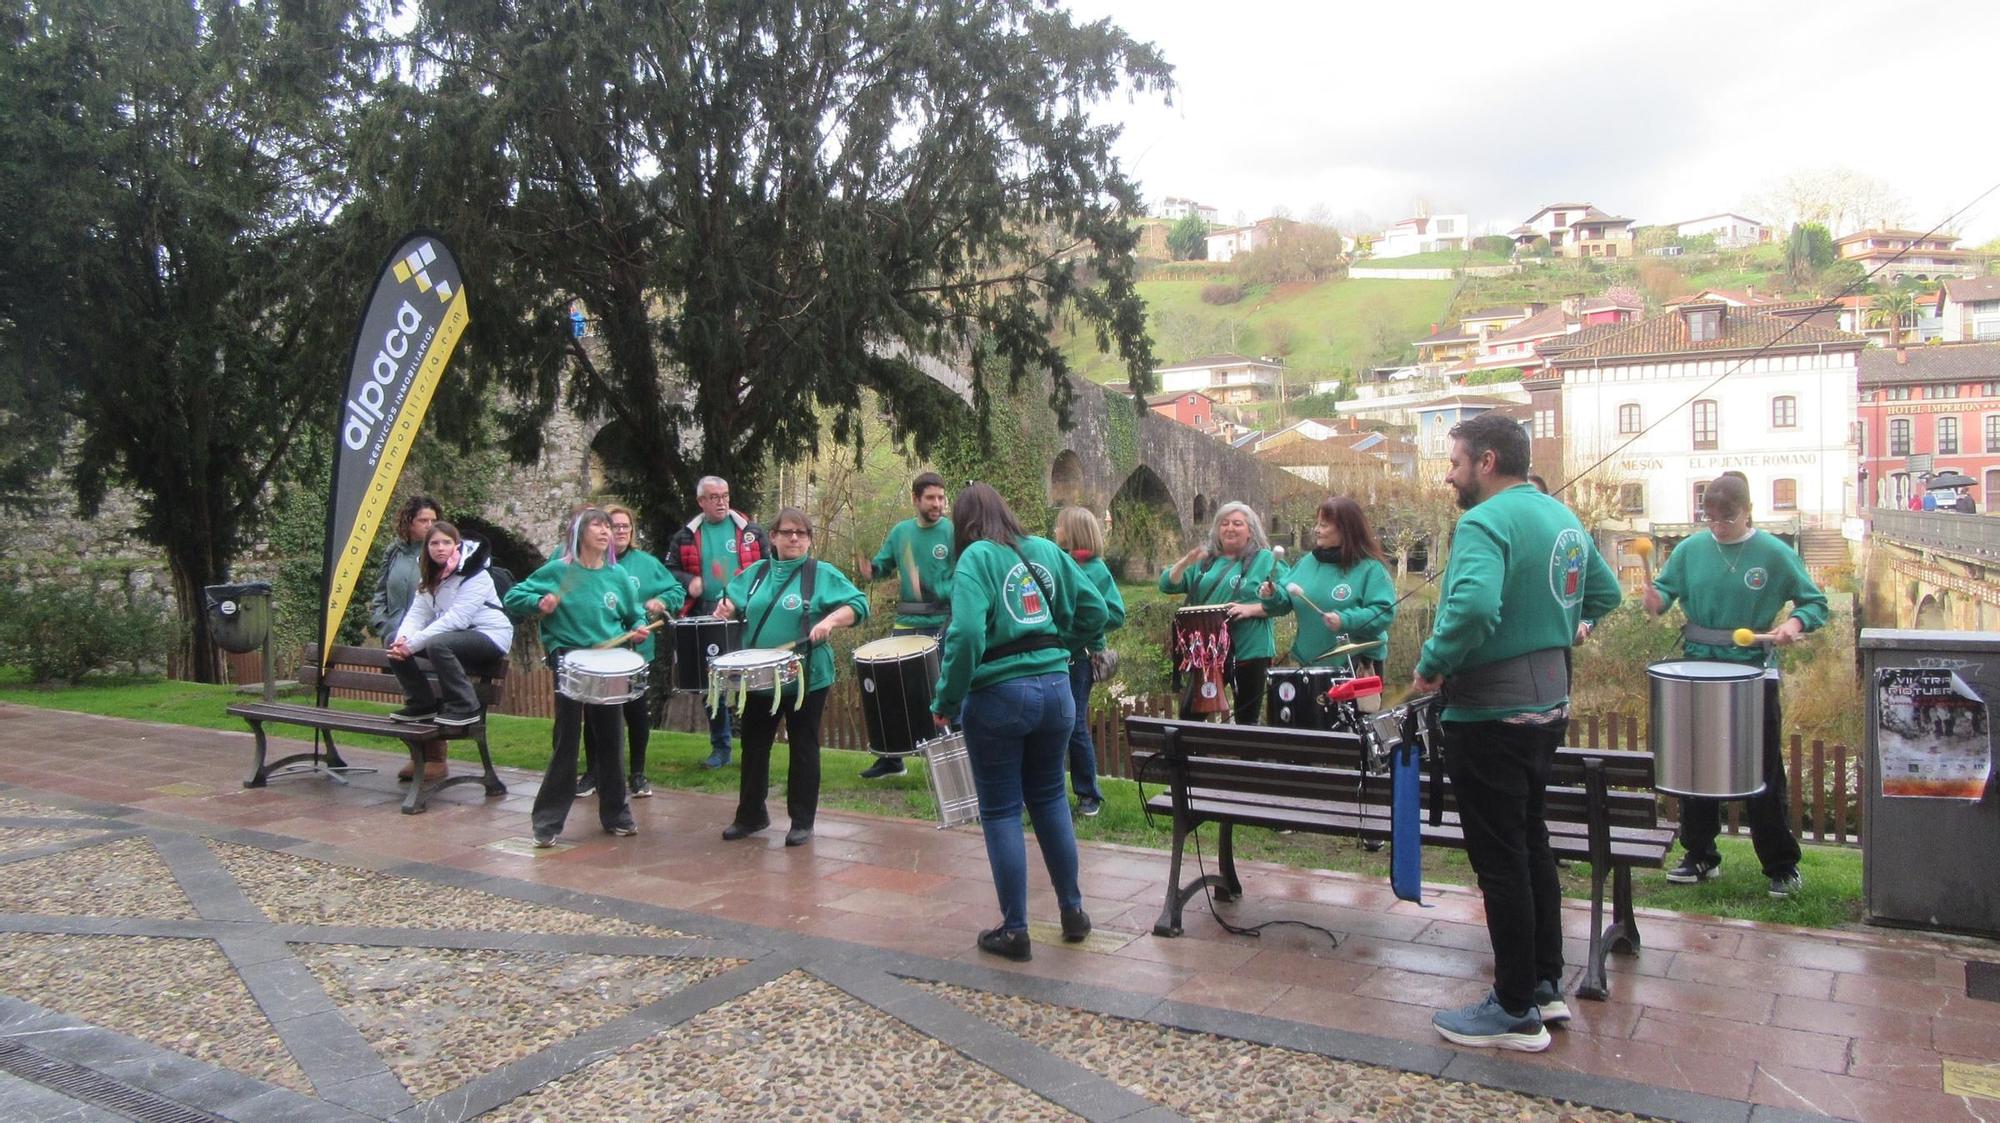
{"type": "Point", "coordinates": [1823, 781]}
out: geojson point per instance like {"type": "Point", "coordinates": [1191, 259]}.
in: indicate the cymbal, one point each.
{"type": "Point", "coordinates": [1350, 648]}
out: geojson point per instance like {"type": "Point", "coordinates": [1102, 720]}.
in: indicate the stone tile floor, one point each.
{"type": "Point", "coordinates": [169, 939]}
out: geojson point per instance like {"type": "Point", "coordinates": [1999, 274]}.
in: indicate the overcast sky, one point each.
{"type": "Point", "coordinates": [1659, 112]}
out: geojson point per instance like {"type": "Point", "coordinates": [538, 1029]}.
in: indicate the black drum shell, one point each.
{"type": "Point", "coordinates": [896, 697]}
{"type": "Point", "coordinates": [693, 636]}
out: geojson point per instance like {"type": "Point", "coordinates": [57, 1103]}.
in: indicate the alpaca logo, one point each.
{"type": "Point", "coordinates": [415, 266]}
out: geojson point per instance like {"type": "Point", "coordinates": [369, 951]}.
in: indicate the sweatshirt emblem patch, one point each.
{"type": "Point", "coordinates": [1342, 592]}
{"type": "Point", "coordinates": [610, 601]}
{"type": "Point", "coordinates": [1566, 567]}
{"type": "Point", "coordinates": [940, 551]}
{"type": "Point", "coordinates": [790, 602]}
{"type": "Point", "coordinates": [1024, 594]}
{"type": "Point", "coordinates": [1755, 577]}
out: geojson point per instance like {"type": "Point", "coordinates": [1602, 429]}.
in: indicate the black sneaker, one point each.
{"type": "Point", "coordinates": [544, 841]}
{"type": "Point", "coordinates": [1693, 869]}
{"type": "Point", "coordinates": [414, 713]}
{"type": "Point", "coordinates": [883, 766]}
{"type": "Point", "coordinates": [1088, 807]}
{"type": "Point", "coordinates": [641, 788]}
{"type": "Point", "coordinates": [1008, 945]}
{"type": "Point", "coordinates": [1784, 885]}
{"type": "Point", "coordinates": [586, 785]}
{"type": "Point", "coordinates": [623, 830]}
{"type": "Point", "coordinates": [1075, 926]}
{"type": "Point", "coordinates": [458, 719]}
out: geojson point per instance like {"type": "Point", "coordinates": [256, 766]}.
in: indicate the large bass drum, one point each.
{"type": "Point", "coordinates": [897, 676]}
{"type": "Point", "coordinates": [1708, 728]}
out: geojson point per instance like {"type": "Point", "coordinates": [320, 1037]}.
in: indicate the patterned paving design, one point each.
{"type": "Point", "coordinates": [122, 878]}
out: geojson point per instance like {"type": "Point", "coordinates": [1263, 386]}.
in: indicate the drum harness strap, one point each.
{"type": "Point", "coordinates": [804, 576]}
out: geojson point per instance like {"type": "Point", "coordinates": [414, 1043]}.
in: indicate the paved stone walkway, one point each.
{"type": "Point", "coordinates": [172, 943]}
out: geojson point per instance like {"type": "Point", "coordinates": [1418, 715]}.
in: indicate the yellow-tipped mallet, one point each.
{"type": "Point", "coordinates": [1744, 637]}
{"type": "Point", "coordinates": [1644, 548]}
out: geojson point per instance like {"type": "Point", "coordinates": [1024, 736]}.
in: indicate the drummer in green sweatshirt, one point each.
{"type": "Point", "coordinates": [1019, 606]}
{"type": "Point", "coordinates": [661, 594]}
{"type": "Point", "coordinates": [584, 600]}
{"type": "Point", "coordinates": [1523, 575]}
{"type": "Point", "coordinates": [1727, 577]}
{"type": "Point", "coordinates": [1227, 569]}
{"type": "Point", "coordinates": [919, 552]}
{"type": "Point", "coordinates": [793, 602]}
{"type": "Point", "coordinates": [1342, 592]}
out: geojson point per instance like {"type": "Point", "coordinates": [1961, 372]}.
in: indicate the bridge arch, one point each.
{"type": "Point", "coordinates": [1145, 524]}
{"type": "Point", "coordinates": [1932, 613]}
{"type": "Point", "coordinates": [1066, 486]}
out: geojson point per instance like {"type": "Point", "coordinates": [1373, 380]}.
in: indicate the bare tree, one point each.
{"type": "Point", "coordinates": [1841, 199]}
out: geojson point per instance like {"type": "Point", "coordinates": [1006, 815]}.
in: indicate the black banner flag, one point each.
{"type": "Point", "coordinates": [414, 319]}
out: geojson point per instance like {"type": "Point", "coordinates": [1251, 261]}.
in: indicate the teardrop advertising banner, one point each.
{"type": "Point", "coordinates": [415, 316]}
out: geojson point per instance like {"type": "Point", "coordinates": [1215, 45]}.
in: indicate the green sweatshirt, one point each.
{"type": "Point", "coordinates": [1522, 576]}
{"type": "Point", "coordinates": [1099, 576]}
{"type": "Point", "coordinates": [1221, 580]}
{"type": "Point", "coordinates": [774, 581]}
{"type": "Point", "coordinates": [1363, 594]}
{"type": "Point", "coordinates": [928, 549]}
{"type": "Point", "coordinates": [597, 604]}
{"type": "Point", "coordinates": [994, 600]}
{"type": "Point", "coordinates": [1740, 585]}
{"type": "Point", "coordinates": [650, 578]}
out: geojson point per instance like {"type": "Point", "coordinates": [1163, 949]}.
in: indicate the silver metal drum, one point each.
{"type": "Point", "coordinates": [1708, 728]}
{"type": "Point", "coordinates": [950, 768]}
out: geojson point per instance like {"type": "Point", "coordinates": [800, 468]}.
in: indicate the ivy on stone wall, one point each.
{"type": "Point", "coordinates": [1124, 433]}
{"type": "Point", "coordinates": [1017, 457]}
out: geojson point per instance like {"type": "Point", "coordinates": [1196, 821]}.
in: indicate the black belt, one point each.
{"type": "Point", "coordinates": [921, 608]}
{"type": "Point", "coordinates": [1042, 642]}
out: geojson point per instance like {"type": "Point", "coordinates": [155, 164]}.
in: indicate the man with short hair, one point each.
{"type": "Point", "coordinates": [1522, 577]}
{"type": "Point", "coordinates": [919, 551]}
{"type": "Point", "coordinates": [714, 546]}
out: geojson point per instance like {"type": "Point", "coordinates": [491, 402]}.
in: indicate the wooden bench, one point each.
{"type": "Point", "coordinates": [1601, 809]}
{"type": "Point", "coordinates": [367, 669]}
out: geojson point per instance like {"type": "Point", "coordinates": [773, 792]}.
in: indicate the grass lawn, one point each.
{"type": "Point", "coordinates": [1436, 259]}
{"type": "Point", "coordinates": [1329, 324]}
{"type": "Point", "coordinates": [1831, 898]}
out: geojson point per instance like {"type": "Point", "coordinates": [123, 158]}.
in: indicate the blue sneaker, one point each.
{"type": "Point", "coordinates": [1487, 1025]}
{"type": "Point", "coordinates": [1549, 1000]}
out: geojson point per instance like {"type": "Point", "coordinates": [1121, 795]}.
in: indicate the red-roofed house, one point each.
{"type": "Point", "coordinates": [1191, 408]}
{"type": "Point", "coordinates": [1704, 388]}
{"type": "Point", "coordinates": [1921, 258]}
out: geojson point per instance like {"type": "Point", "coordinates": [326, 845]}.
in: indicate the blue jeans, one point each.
{"type": "Point", "coordinates": [1016, 734]}
{"type": "Point", "coordinates": [1082, 751]}
{"type": "Point", "coordinates": [718, 732]}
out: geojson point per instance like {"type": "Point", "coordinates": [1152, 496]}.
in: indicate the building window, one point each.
{"type": "Point", "coordinates": [1632, 498]}
{"type": "Point", "coordinates": [1700, 493]}
{"type": "Point", "coordinates": [1628, 418]}
{"type": "Point", "coordinates": [1899, 436]}
{"type": "Point", "coordinates": [1785, 495]}
{"type": "Point", "coordinates": [1784, 412]}
{"type": "Point", "coordinates": [1545, 423]}
{"type": "Point", "coordinates": [1704, 324]}
{"type": "Point", "coordinates": [1993, 432]}
{"type": "Point", "coordinates": [1899, 393]}
{"type": "Point", "coordinates": [1989, 389]}
{"type": "Point", "coordinates": [1704, 424]}
{"type": "Point", "coordinates": [1947, 436]}
{"type": "Point", "coordinates": [1949, 391]}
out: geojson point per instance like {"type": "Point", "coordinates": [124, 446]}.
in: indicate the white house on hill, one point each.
{"type": "Point", "coordinates": [1422, 235]}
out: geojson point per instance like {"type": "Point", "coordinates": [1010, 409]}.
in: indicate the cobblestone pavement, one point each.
{"type": "Point", "coordinates": [181, 974]}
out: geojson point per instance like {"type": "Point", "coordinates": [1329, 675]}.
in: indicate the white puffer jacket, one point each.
{"type": "Point", "coordinates": [466, 599]}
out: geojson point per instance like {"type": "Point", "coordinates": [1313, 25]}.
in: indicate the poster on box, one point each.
{"type": "Point", "coordinates": [1932, 734]}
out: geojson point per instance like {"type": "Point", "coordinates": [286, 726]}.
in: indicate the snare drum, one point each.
{"type": "Point", "coordinates": [1295, 697]}
{"type": "Point", "coordinates": [696, 640]}
{"type": "Point", "coordinates": [755, 670]}
{"type": "Point", "coordinates": [950, 768]}
{"type": "Point", "coordinates": [897, 676]}
{"type": "Point", "coordinates": [1201, 653]}
{"type": "Point", "coordinates": [610, 677]}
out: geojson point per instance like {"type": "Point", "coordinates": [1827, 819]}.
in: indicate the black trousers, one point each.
{"type": "Point", "coordinates": [638, 718]}
{"type": "Point", "coordinates": [558, 789]}
{"type": "Point", "coordinates": [456, 656]}
{"type": "Point", "coordinates": [1500, 775]}
{"type": "Point", "coordinates": [759, 728]}
{"type": "Point", "coordinates": [1770, 828]}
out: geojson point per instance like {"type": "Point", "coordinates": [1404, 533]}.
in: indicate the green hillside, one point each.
{"type": "Point", "coordinates": [1323, 330]}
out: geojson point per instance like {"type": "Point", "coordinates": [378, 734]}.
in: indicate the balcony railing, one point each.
{"type": "Point", "coordinates": [1971, 535]}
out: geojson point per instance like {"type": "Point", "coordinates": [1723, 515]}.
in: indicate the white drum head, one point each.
{"type": "Point", "coordinates": [893, 649]}
{"type": "Point", "coordinates": [609, 661]}
{"type": "Point", "coordinates": [749, 658]}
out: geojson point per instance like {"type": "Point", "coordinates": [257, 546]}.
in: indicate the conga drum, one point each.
{"type": "Point", "coordinates": [897, 676]}
{"type": "Point", "coordinates": [1707, 727]}
{"type": "Point", "coordinates": [1201, 653]}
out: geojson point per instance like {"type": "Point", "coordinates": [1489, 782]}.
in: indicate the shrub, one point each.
{"type": "Point", "coordinates": [1221, 294]}
{"type": "Point", "coordinates": [66, 628]}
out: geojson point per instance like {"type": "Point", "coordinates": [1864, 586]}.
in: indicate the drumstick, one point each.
{"type": "Point", "coordinates": [1294, 589]}
{"type": "Point", "coordinates": [616, 641]}
{"type": "Point", "coordinates": [910, 567]}
{"type": "Point", "coordinates": [1744, 637]}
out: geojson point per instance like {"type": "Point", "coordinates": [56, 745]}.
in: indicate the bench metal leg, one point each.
{"type": "Point", "coordinates": [259, 775]}
{"type": "Point", "coordinates": [1594, 984]}
{"type": "Point", "coordinates": [1229, 888]}
{"type": "Point", "coordinates": [491, 779]}
{"type": "Point", "coordinates": [1179, 895]}
{"type": "Point", "coordinates": [330, 763]}
{"type": "Point", "coordinates": [420, 793]}
{"type": "Point", "coordinates": [1623, 935]}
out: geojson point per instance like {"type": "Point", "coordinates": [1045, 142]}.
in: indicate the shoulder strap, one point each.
{"type": "Point", "coordinates": [755, 633]}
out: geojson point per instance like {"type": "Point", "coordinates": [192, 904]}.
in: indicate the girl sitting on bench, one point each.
{"type": "Point", "coordinates": [455, 619]}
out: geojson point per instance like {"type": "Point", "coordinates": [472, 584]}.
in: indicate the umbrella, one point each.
{"type": "Point", "coordinates": [1950, 479]}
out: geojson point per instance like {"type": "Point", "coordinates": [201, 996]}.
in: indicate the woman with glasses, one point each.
{"type": "Point", "coordinates": [793, 601]}
{"type": "Point", "coordinates": [1727, 577]}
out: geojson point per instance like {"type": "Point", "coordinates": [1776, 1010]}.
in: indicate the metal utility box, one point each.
{"type": "Point", "coordinates": [1930, 862]}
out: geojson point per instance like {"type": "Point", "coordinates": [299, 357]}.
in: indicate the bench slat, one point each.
{"type": "Point", "coordinates": [344, 721]}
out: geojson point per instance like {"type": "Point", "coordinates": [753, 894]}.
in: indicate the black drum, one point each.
{"type": "Point", "coordinates": [897, 677]}
{"type": "Point", "coordinates": [696, 640]}
{"type": "Point", "coordinates": [1295, 697]}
